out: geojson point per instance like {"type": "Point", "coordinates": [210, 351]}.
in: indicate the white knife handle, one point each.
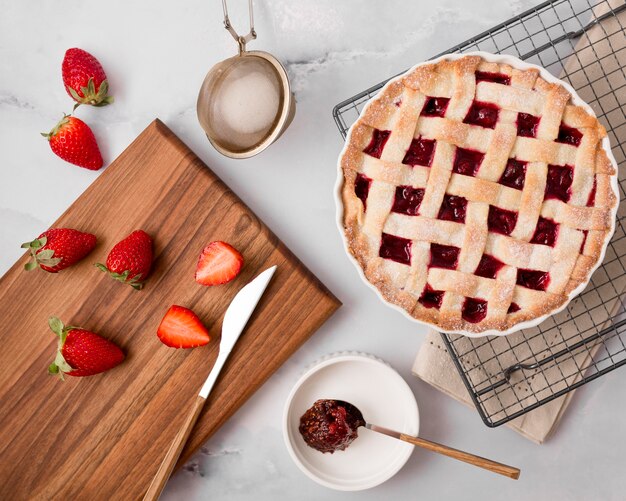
{"type": "Point", "coordinates": [210, 381]}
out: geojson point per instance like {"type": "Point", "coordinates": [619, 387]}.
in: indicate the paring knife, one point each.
{"type": "Point", "coordinates": [235, 319]}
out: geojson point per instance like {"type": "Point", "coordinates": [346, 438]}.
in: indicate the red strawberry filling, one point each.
{"type": "Point", "coordinates": [546, 232]}
{"type": "Point", "coordinates": [420, 152]}
{"type": "Point", "coordinates": [362, 188]}
{"type": "Point", "coordinates": [533, 279]}
{"type": "Point", "coordinates": [513, 307]}
{"type": "Point", "coordinates": [435, 107]}
{"type": "Point", "coordinates": [467, 162]}
{"type": "Point", "coordinates": [453, 208]}
{"type": "Point", "coordinates": [514, 174]}
{"type": "Point", "coordinates": [486, 76]}
{"type": "Point", "coordinates": [482, 114]}
{"type": "Point", "coordinates": [395, 248]}
{"type": "Point", "coordinates": [444, 256]}
{"type": "Point", "coordinates": [407, 200]}
{"type": "Point", "coordinates": [527, 125]}
{"type": "Point", "coordinates": [431, 298]}
{"type": "Point", "coordinates": [377, 143]}
{"type": "Point", "coordinates": [501, 220]}
{"type": "Point", "coordinates": [329, 426]}
{"type": "Point", "coordinates": [488, 267]}
{"type": "Point", "coordinates": [559, 182]}
{"type": "Point", "coordinates": [569, 135]}
{"type": "Point", "coordinates": [474, 309]}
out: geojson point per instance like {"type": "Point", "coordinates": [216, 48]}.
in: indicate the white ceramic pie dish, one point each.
{"type": "Point", "coordinates": [516, 63]}
{"type": "Point", "coordinates": [383, 397]}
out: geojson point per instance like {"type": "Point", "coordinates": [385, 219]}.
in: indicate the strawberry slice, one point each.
{"type": "Point", "coordinates": [181, 328]}
{"type": "Point", "coordinates": [219, 263]}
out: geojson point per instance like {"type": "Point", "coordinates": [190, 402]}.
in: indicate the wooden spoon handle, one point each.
{"type": "Point", "coordinates": [487, 464]}
{"type": "Point", "coordinates": [169, 461]}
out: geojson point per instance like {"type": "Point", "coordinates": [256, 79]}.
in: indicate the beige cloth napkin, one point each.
{"type": "Point", "coordinates": [434, 365]}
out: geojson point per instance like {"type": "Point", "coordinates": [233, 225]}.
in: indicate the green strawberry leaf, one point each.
{"type": "Point", "coordinates": [56, 326]}
{"type": "Point", "coordinates": [74, 94]}
{"type": "Point", "coordinates": [31, 265]}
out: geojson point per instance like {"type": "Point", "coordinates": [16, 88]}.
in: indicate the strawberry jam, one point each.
{"type": "Point", "coordinates": [546, 232]}
{"type": "Point", "coordinates": [431, 298]}
{"type": "Point", "coordinates": [488, 267]}
{"type": "Point", "coordinates": [501, 220]}
{"type": "Point", "coordinates": [467, 162]}
{"type": "Point", "coordinates": [362, 188]}
{"type": "Point", "coordinates": [329, 426]}
{"type": "Point", "coordinates": [397, 249]}
{"type": "Point", "coordinates": [514, 174]}
{"type": "Point", "coordinates": [420, 152]}
{"type": "Point", "coordinates": [407, 200]}
{"type": "Point", "coordinates": [474, 310]}
{"type": "Point", "coordinates": [444, 256]}
{"type": "Point", "coordinates": [569, 135]}
{"type": "Point", "coordinates": [453, 208]}
{"type": "Point", "coordinates": [379, 138]}
{"type": "Point", "coordinates": [482, 114]}
{"type": "Point", "coordinates": [533, 279]}
{"type": "Point", "coordinates": [527, 125]}
{"type": "Point", "coordinates": [559, 182]}
{"type": "Point", "coordinates": [486, 76]}
{"type": "Point", "coordinates": [435, 107]}
{"type": "Point", "coordinates": [513, 307]}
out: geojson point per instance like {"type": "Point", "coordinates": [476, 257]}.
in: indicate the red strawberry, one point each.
{"type": "Point", "coordinates": [57, 248]}
{"type": "Point", "coordinates": [81, 352]}
{"type": "Point", "coordinates": [181, 328]}
{"type": "Point", "coordinates": [130, 260]}
{"type": "Point", "coordinates": [219, 263]}
{"type": "Point", "coordinates": [84, 78]}
{"type": "Point", "coordinates": [73, 141]}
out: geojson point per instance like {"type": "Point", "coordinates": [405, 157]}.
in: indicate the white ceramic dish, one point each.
{"type": "Point", "coordinates": [383, 397]}
{"type": "Point", "coordinates": [519, 64]}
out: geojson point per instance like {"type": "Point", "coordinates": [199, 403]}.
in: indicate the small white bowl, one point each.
{"type": "Point", "coordinates": [383, 397]}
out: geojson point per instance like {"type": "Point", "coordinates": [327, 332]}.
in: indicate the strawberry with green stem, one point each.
{"type": "Point", "coordinates": [58, 248]}
{"type": "Point", "coordinates": [130, 260]}
{"type": "Point", "coordinates": [73, 140]}
{"type": "Point", "coordinates": [81, 352]}
{"type": "Point", "coordinates": [84, 78]}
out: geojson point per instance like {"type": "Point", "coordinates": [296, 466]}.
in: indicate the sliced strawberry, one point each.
{"type": "Point", "coordinates": [181, 328]}
{"type": "Point", "coordinates": [219, 263]}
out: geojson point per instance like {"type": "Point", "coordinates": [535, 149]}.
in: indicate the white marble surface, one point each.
{"type": "Point", "coordinates": [156, 55]}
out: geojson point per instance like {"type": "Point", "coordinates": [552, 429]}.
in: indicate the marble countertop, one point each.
{"type": "Point", "coordinates": [156, 55]}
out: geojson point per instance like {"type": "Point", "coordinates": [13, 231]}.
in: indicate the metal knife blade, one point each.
{"type": "Point", "coordinates": [235, 319]}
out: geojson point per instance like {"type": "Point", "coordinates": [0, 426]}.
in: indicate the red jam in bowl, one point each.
{"type": "Point", "coordinates": [329, 426]}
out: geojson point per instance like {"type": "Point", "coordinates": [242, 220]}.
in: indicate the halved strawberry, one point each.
{"type": "Point", "coordinates": [181, 328]}
{"type": "Point", "coordinates": [219, 263]}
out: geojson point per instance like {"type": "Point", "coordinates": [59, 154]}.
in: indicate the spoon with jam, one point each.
{"type": "Point", "coordinates": [331, 425]}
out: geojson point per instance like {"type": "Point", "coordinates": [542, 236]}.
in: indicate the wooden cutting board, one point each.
{"type": "Point", "coordinates": [103, 437]}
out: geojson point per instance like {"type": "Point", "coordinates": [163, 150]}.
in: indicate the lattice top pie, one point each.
{"type": "Point", "coordinates": [476, 195]}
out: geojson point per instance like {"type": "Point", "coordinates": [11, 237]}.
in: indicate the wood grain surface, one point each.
{"type": "Point", "coordinates": [104, 436]}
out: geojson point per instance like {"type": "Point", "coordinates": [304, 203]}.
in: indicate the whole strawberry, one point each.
{"type": "Point", "coordinates": [130, 260]}
{"type": "Point", "coordinates": [82, 352]}
{"type": "Point", "coordinates": [57, 248]}
{"type": "Point", "coordinates": [84, 78]}
{"type": "Point", "coordinates": [73, 141]}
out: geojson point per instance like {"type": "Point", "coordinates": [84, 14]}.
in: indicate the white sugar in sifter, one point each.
{"type": "Point", "coordinates": [245, 102]}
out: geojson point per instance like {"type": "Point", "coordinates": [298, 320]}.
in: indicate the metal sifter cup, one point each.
{"type": "Point", "coordinates": [245, 102]}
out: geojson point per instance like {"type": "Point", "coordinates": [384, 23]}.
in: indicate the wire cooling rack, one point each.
{"type": "Point", "coordinates": [582, 42]}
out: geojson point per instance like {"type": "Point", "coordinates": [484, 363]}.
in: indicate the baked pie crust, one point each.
{"type": "Point", "coordinates": [476, 196]}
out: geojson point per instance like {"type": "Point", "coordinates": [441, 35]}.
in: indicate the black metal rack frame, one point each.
{"type": "Point", "coordinates": [509, 376]}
